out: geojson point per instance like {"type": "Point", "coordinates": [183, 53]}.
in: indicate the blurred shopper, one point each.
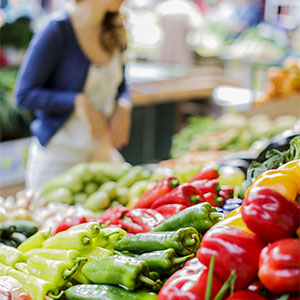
{"type": "Point", "coordinates": [72, 79]}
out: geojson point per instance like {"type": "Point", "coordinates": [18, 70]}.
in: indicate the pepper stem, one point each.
{"type": "Point", "coordinates": [284, 297]}
{"type": "Point", "coordinates": [194, 198]}
{"type": "Point", "coordinates": [226, 285]}
{"type": "Point", "coordinates": [210, 278]}
{"type": "Point", "coordinates": [146, 280]}
{"type": "Point", "coordinates": [174, 182]}
{"type": "Point", "coordinates": [69, 272]}
{"type": "Point", "coordinates": [189, 242]}
{"type": "Point", "coordinates": [85, 241]}
{"type": "Point", "coordinates": [216, 217]}
{"type": "Point", "coordinates": [50, 294]}
{"type": "Point", "coordinates": [179, 260]}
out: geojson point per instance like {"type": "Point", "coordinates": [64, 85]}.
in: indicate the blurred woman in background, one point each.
{"type": "Point", "coordinates": [72, 79]}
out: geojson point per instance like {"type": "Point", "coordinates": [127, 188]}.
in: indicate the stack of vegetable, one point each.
{"type": "Point", "coordinates": [95, 185]}
{"type": "Point", "coordinates": [256, 240]}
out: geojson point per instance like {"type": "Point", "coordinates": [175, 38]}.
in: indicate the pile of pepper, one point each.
{"type": "Point", "coordinates": [254, 252]}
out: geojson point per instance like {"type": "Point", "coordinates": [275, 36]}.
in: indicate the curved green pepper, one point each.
{"type": "Point", "coordinates": [10, 256]}
{"type": "Point", "coordinates": [201, 216]}
{"type": "Point", "coordinates": [119, 270]}
{"type": "Point", "coordinates": [106, 292]}
{"type": "Point", "coordinates": [184, 241]}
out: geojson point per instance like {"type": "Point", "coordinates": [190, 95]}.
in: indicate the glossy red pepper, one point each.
{"type": "Point", "coordinates": [146, 218]}
{"type": "Point", "coordinates": [112, 215]}
{"type": "Point", "coordinates": [279, 266]}
{"type": "Point", "coordinates": [163, 187]}
{"type": "Point", "coordinates": [245, 295]}
{"type": "Point", "coordinates": [70, 221]}
{"type": "Point", "coordinates": [189, 283]}
{"type": "Point", "coordinates": [208, 174]}
{"type": "Point", "coordinates": [214, 200]}
{"type": "Point", "coordinates": [234, 249]}
{"type": "Point", "coordinates": [184, 194]}
{"type": "Point", "coordinates": [226, 192]}
{"type": "Point", "coordinates": [169, 210]}
{"type": "Point", "coordinates": [270, 215]}
{"type": "Point", "coordinates": [207, 186]}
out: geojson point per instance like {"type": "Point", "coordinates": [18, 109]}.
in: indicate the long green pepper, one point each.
{"type": "Point", "coordinates": [10, 256]}
{"type": "Point", "coordinates": [162, 261]}
{"type": "Point", "coordinates": [184, 241]}
{"type": "Point", "coordinates": [56, 271]}
{"type": "Point", "coordinates": [106, 292]}
{"type": "Point", "coordinates": [120, 270]}
{"type": "Point", "coordinates": [201, 216]}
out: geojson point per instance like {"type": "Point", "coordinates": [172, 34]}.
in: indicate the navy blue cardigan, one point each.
{"type": "Point", "coordinates": [53, 72]}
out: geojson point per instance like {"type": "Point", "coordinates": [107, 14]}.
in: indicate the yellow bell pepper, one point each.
{"type": "Point", "coordinates": [285, 180]}
{"type": "Point", "coordinates": [234, 220]}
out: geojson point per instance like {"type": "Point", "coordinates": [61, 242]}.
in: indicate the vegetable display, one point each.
{"type": "Point", "coordinates": [185, 240]}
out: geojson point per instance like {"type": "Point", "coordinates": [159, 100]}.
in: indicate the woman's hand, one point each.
{"type": "Point", "coordinates": [107, 152]}
{"type": "Point", "coordinates": [95, 122]}
{"type": "Point", "coordinates": [120, 124]}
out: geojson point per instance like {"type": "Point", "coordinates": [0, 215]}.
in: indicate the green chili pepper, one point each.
{"type": "Point", "coordinates": [70, 256]}
{"type": "Point", "coordinates": [90, 255]}
{"type": "Point", "coordinates": [73, 238]}
{"type": "Point", "coordinates": [90, 188]}
{"type": "Point", "coordinates": [25, 227]}
{"type": "Point", "coordinates": [18, 238]}
{"type": "Point", "coordinates": [80, 198]}
{"type": "Point", "coordinates": [123, 195]}
{"type": "Point", "coordinates": [109, 169]}
{"type": "Point", "coordinates": [3, 269]}
{"type": "Point", "coordinates": [110, 188]}
{"type": "Point", "coordinates": [108, 237]}
{"type": "Point", "coordinates": [61, 195]}
{"type": "Point", "coordinates": [201, 216]}
{"type": "Point", "coordinates": [35, 241]}
{"type": "Point", "coordinates": [106, 292]}
{"type": "Point", "coordinates": [162, 261]}
{"type": "Point", "coordinates": [6, 229]}
{"type": "Point", "coordinates": [10, 256]}
{"type": "Point", "coordinates": [55, 271]}
{"type": "Point", "coordinates": [82, 171]}
{"type": "Point", "coordinates": [184, 241]}
{"type": "Point", "coordinates": [97, 201]}
{"type": "Point", "coordinates": [133, 175]}
{"type": "Point", "coordinates": [92, 228]}
{"type": "Point", "coordinates": [37, 288]}
{"type": "Point", "coordinates": [122, 270]}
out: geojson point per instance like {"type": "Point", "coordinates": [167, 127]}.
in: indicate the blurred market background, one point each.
{"type": "Point", "coordinates": [207, 78]}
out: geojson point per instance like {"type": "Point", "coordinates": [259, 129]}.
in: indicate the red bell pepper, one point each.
{"type": "Point", "coordinates": [213, 200]}
{"type": "Point", "coordinates": [184, 194]}
{"type": "Point", "coordinates": [112, 215]}
{"type": "Point", "coordinates": [270, 215]}
{"type": "Point", "coordinates": [70, 221]}
{"type": "Point", "coordinates": [189, 283]}
{"type": "Point", "coordinates": [163, 187]}
{"type": "Point", "coordinates": [208, 174]}
{"type": "Point", "coordinates": [245, 295]}
{"type": "Point", "coordinates": [145, 218]}
{"type": "Point", "coordinates": [169, 210]}
{"type": "Point", "coordinates": [234, 249]}
{"type": "Point", "coordinates": [279, 266]}
{"type": "Point", "coordinates": [226, 192]}
{"type": "Point", "coordinates": [207, 186]}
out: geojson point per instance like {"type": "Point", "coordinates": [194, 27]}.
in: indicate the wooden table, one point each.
{"type": "Point", "coordinates": [194, 83]}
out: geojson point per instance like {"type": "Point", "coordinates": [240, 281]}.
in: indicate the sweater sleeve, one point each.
{"type": "Point", "coordinates": [39, 63]}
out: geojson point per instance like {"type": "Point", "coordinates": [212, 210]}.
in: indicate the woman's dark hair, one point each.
{"type": "Point", "coordinates": [113, 35]}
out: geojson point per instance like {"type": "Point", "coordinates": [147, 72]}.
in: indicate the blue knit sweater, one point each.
{"type": "Point", "coordinates": [53, 72]}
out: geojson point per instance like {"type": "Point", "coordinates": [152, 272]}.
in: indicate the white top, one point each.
{"type": "Point", "coordinates": [101, 89]}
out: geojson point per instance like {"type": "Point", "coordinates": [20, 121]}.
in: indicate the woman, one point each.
{"type": "Point", "coordinates": [72, 79]}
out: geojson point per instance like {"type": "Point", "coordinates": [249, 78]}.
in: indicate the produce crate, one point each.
{"type": "Point", "coordinates": [13, 157]}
